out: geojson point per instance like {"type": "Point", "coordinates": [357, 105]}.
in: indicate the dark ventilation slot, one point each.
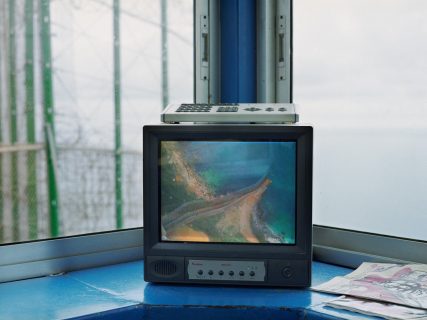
{"type": "Point", "coordinates": [164, 267]}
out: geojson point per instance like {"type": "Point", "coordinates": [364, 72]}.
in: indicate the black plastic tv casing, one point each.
{"type": "Point", "coordinates": [286, 265]}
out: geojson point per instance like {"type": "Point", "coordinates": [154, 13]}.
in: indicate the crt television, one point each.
{"type": "Point", "coordinates": [228, 204]}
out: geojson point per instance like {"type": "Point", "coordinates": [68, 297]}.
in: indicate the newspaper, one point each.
{"type": "Point", "coordinates": [378, 309]}
{"type": "Point", "coordinates": [400, 284]}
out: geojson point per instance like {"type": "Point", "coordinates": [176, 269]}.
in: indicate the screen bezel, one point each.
{"type": "Point", "coordinates": [209, 139]}
{"type": "Point", "coordinates": [302, 135]}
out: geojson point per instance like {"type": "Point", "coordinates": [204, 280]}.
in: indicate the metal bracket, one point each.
{"type": "Point", "coordinates": [283, 61]}
{"type": "Point", "coordinates": [206, 51]}
{"type": "Point", "coordinates": [274, 51]}
{"type": "Point", "coordinates": [204, 47]}
{"type": "Point", "coordinates": [281, 44]}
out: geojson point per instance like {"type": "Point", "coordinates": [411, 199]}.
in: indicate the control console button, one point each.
{"type": "Point", "coordinates": [269, 109]}
{"type": "Point", "coordinates": [210, 272]}
{"type": "Point", "coordinates": [194, 108]}
{"type": "Point", "coordinates": [200, 272]}
{"type": "Point", "coordinates": [252, 273]}
{"type": "Point", "coordinates": [241, 273]}
{"type": "Point", "coordinates": [220, 272]}
{"type": "Point", "coordinates": [252, 109]}
{"type": "Point", "coordinates": [287, 272]}
{"type": "Point", "coordinates": [231, 273]}
{"type": "Point", "coordinates": [227, 109]}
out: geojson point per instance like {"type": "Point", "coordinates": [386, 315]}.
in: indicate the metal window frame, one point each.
{"type": "Point", "coordinates": [274, 35]}
{"type": "Point", "coordinates": [349, 248]}
{"type": "Point", "coordinates": [48, 257]}
{"type": "Point", "coordinates": [337, 246]}
{"type": "Point", "coordinates": [206, 45]}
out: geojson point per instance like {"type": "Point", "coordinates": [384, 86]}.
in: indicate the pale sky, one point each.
{"type": "Point", "coordinates": [361, 79]}
{"type": "Point", "coordinates": [368, 54]}
{"type": "Point", "coordinates": [359, 65]}
{"type": "Point", "coordinates": [83, 57]}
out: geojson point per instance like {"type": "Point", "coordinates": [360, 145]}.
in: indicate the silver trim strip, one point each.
{"type": "Point", "coordinates": [331, 245]}
{"type": "Point", "coordinates": [40, 258]}
{"type": "Point", "coordinates": [283, 40]}
{"type": "Point", "coordinates": [266, 51]}
{"type": "Point", "coordinates": [214, 52]}
{"type": "Point", "coordinates": [350, 248]}
{"type": "Point", "coordinates": [347, 258]}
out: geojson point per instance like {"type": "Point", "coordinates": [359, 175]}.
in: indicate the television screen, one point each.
{"type": "Point", "coordinates": [228, 191]}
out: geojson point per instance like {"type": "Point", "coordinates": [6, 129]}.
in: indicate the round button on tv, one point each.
{"type": "Point", "coordinates": [231, 273]}
{"type": "Point", "coordinates": [252, 273]}
{"type": "Point", "coordinates": [210, 272]}
{"type": "Point", "coordinates": [287, 272]}
{"type": "Point", "coordinates": [220, 272]}
{"type": "Point", "coordinates": [241, 273]}
{"type": "Point", "coordinates": [200, 272]}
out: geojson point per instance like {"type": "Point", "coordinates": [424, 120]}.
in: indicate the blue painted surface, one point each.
{"type": "Point", "coordinates": [119, 291]}
{"type": "Point", "coordinates": [203, 313]}
{"type": "Point", "coordinates": [324, 312]}
{"type": "Point", "coordinates": [123, 281]}
{"type": "Point", "coordinates": [238, 50]}
{"type": "Point", "coordinates": [53, 298]}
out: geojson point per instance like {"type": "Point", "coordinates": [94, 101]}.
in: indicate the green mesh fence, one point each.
{"type": "Point", "coordinates": [22, 204]}
{"type": "Point", "coordinates": [86, 189]}
{"type": "Point", "coordinates": [59, 131]}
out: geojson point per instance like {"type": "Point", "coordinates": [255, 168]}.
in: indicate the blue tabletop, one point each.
{"type": "Point", "coordinates": [118, 291]}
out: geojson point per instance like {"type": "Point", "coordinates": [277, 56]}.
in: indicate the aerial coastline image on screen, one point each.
{"type": "Point", "coordinates": [228, 191]}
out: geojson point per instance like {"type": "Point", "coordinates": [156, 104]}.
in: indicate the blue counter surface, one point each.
{"type": "Point", "coordinates": [119, 292]}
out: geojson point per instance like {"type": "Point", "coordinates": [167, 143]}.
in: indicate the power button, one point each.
{"type": "Point", "coordinates": [287, 272]}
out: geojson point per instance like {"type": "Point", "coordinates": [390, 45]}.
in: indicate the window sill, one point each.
{"type": "Point", "coordinates": [119, 291]}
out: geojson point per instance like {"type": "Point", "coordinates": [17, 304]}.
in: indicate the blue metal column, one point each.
{"type": "Point", "coordinates": [238, 51]}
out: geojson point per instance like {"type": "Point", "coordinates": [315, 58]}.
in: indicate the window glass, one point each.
{"type": "Point", "coordinates": [360, 78]}
{"type": "Point", "coordinates": [58, 172]}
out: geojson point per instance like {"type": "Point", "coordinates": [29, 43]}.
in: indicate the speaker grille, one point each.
{"type": "Point", "coordinates": [164, 267]}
